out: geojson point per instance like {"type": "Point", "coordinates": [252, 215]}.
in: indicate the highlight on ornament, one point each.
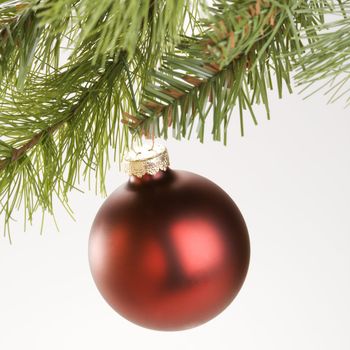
{"type": "Point", "coordinates": [169, 249]}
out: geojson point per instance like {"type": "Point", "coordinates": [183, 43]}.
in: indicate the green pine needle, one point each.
{"type": "Point", "coordinates": [78, 78]}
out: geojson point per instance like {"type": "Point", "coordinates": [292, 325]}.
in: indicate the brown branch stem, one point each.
{"type": "Point", "coordinates": [18, 153]}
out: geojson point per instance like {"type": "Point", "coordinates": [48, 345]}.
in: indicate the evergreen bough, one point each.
{"type": "Point", "coordinates": [81, 77]}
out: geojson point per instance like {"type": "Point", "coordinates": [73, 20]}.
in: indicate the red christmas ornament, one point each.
{"type": "Point", "coordinates": [169, 250]}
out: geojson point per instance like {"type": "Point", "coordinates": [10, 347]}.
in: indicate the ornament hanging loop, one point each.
{"type": "Point", "coordinates": [142, 142]}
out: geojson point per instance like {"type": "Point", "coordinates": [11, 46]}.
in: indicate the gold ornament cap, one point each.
{"type": "Point", "coordinates": [149, 158]}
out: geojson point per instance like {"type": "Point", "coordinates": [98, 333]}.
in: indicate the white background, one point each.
{"type": "Point", "coordinates": [291, 179]}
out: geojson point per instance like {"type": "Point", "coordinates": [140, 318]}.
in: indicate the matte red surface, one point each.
{"type": "Point", "coordinates": [169, 252]}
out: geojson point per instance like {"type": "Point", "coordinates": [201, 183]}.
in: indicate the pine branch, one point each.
{"type": "Point", "coordinates": [36, 31]}
{"type": "Point", "coordinates": [26, 47]}
{"type": "Point", "coordinates": [63, 122]}
{"type": "Point", "coordinates": [58, 121]}
{"type": "Point", "coordinates": [230, 65]}
{"type": "Point", "coordinates": [120, 25]}
{"type": "Point", "coordinates": [10, 11]}
{"type": "Point", "coordinates": [326, 64]}
{"type": "Point", "coordinates": [16, 154]}
{"type": "Point", "coordinates": [73, 132]}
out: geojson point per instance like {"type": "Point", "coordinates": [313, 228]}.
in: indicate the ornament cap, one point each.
{"type": "Point", "coordinates": [149, 158]}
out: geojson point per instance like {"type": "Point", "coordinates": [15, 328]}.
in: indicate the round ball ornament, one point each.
{"type": "Point", "coordinates": [168, 250]}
